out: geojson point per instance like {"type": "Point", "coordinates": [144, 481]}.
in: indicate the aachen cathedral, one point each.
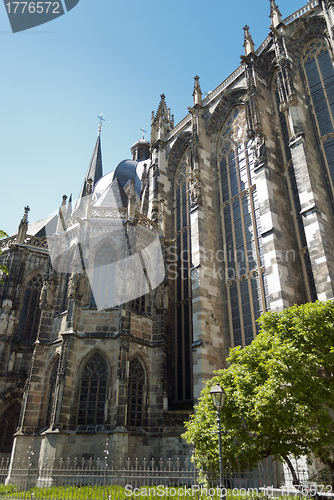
{"type": "Point", "coordinates": [239, 199]}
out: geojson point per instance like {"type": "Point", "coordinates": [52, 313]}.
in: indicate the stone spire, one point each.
{"type": "Point", "coordinates": [23, 227]}
{"type": "Point", "coordinates": [94, 171]}
{"type": "Point", "coordinates": [162, 122]}
{"type": "Point", "coordinates": [197, 94]}
{"type": "Point", "coordinates": [275, 15]}
{"type": "Point", "coordinates": [248, 41]}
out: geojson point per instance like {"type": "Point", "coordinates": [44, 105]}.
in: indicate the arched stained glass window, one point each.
{"type": "Point", "coordinates": [30, 312]}
{"type": "Point", "coordinates": [93, 392]}
{"type": "Point", "coordinates": [183, 390]}
{"type": "Point", "coordinates": [287, 157]}
{"type": "Point", "coordinates": [8, 424]}
{"type": "Point", "coordinates": [319, 73]}
{"type": "Point", "coordinates": [245, 272]}
{"type": "Point", "coordinates": [103, 284]}
{"type": "Point", "coordinates": [136, 393]}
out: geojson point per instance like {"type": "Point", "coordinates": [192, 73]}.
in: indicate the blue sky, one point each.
{"type": "Point", "coordinates": [111, 57]}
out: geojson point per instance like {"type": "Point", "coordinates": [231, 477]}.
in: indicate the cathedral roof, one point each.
{"type": "Point", "coordinates": [43, 226]}
{"type": "Point", "coordinates": [127, 170]}
{"type": "Point", "coordinates": [113, 196]}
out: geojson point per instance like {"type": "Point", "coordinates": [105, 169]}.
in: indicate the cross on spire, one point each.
{"type": "Point", "coordinates": [101, 120]}
{"type": "Point", "coordinates": [144, 132]}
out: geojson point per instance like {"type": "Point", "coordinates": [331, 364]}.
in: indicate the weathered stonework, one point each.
{"type": "Point", "coordinates": [240, 195]}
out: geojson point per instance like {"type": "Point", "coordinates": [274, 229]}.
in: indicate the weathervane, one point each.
{"type": "Point", "coordinates": [101, 120]}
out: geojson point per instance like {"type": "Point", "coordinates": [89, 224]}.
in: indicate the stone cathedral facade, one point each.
{"type": "Point", "coordinates": [240, 197]}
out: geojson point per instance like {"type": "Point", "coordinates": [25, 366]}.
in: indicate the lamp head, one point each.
{"type": "Point", "coordinates": [218, 396]}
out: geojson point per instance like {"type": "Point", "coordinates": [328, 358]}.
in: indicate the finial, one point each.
{"type": "Point", "coordinates": [163, 97]}
{"type": "Point", "coordinates": [197, 94]}
{"type": "Point", "coordinates": [275, 15]}
{"type": "Point", "coordinates": [144, 132]}
{"type": "Point", "coordinates": [63, 203]}
{"type": "Point", "coordinates": [101, 120]}
{"type": "Point", "coordinates": [248, 41]}
{"type": "Point", "coordinates": [23, 227]}
{"type": "Point", "coordinates": [25, 215]}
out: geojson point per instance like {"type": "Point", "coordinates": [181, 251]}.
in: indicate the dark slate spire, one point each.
{"type": "Point", "coordinates": [94, 171]}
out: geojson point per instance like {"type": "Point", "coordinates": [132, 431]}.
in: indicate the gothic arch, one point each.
{"type": "Point", "coordinates": [9, 420]}
{"type": "Point", "coordinates": [93, 385]}
{"type": "Point", "coordinates": [233, 98]}
{"type": "Point", "coordinates": [179, 146]}
{"type": "Point", "coordinates": [137, 392]}
{"type": "Point", "coordinates": [30, 311]}
{"type": "Point", "coordinates": [241, 230]}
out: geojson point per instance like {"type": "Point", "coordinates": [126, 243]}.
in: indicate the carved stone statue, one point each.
{"type": "Point", "coordinates": [195, 192]}
{"type": "Point", "coordinates": [259, 148]}
{"type": "Point", "coordinates": [6, 320]}
{"type": "Point", "coordinates": [161, 298]}
{"type": "Point", "coordinates": [46, 296]}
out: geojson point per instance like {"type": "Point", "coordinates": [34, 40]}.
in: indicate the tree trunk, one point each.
{"type": "Point", "coordinates": [295, 480]}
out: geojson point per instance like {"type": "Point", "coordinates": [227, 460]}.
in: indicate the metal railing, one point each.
{"type": "Point", "coordinates": [106, 479]}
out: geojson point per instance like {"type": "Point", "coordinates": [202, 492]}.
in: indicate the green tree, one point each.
{"type": "Point", "coordinates": [280, 393]}
{"type": "Point", "coordinates": [3, 268]}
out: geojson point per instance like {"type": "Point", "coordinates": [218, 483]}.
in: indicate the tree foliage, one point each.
{"type": "Point", "coordinates": [3, 268]}
{"type": "Point", "coordinates": [280, 393]}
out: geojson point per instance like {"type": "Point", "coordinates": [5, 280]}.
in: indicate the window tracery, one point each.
{"type": "Point", "coordinates": [30, 312]}
{"type": "Point", "coordinates": [244, 261]}
{"type": "Point", "coordinates": [136, 393]}
{"type": "Point", "coordinates": [93, 391]}
{"type": "Point", "coordinates": [319, 73]}
{"type": "Point", "coordinates": [285, 133]}
{"type": "Point", "coordinates": [183, 310]}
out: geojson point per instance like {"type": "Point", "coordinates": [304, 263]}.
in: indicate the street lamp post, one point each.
{"type": "Point", "coordinates": [218, 396]}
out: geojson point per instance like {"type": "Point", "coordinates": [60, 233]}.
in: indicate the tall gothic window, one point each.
{"type": "Point", "coordinates": [52, 386]}
{"type": "Point", "coordinates": [282, 111]}
{"type": "Point", "coordinates": [319, 73]}
{"type": "Point", "coordinates": [8, 424]}
{"type": "Point", "coordinates": [183, 312]}
{"type": "Point", "coordinates": [93, 392]}
{"type": "Point", "coordinates": [103, 284]}
{"type": "Point", "coordinates": [136, 393]}
{"type": "Point", "coordinates": [30, 312]}
{"type": "Point", "coordinates": [245, 272]}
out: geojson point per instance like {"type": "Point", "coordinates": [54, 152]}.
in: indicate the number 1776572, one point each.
{"type": "Point", "coordinates": [32, 7]}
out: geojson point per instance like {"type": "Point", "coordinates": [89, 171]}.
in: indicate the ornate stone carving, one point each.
{"type": "Point", "coordinates": [47, 292]}
{"type": "Point", "coordinates": [74, 279]}
{"type": "Point", "coordinates": [259, 149]}
{"type": "Point", "coordinates": [195, 192]}
{"type": "Point", "coordinates": [162, 296]}
{"type": "Point", "coordinates": [65, 351]}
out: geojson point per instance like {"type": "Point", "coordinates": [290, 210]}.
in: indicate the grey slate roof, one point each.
{"type": "Point", "coordinates": [125, 171]}
{"type": "Point", "coordinates": [113, 196]}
